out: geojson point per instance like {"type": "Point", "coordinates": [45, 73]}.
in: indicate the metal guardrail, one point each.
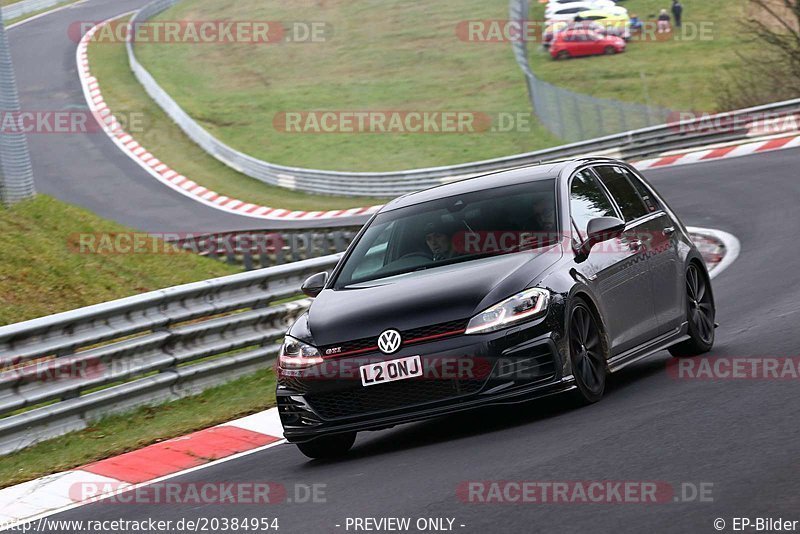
{"type": "Point", "coordinates": [25, 7]}
{"type": "Point", "coordinates": [632, 144]}
{"type": "Point", "coordinates": [256, 249]}
{"type": "Point", "coordinates": [60, 372]}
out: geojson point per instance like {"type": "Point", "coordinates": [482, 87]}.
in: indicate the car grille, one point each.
{"type": "Point", "coordinates": [408, 337]}
{"type": "Point", "coordinates": [392, 395]}
{"type": "Point", "coordinates": [434, 330]}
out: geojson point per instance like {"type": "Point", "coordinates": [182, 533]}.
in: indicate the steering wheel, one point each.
{"type": "Point", "coordinates": [415, 254]}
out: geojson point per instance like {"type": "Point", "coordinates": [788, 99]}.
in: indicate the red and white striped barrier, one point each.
{"type": "Point", "coordinates": [743, 148]}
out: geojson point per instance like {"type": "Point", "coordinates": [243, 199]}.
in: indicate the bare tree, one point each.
{"type": "Point", "coordinates": [772, 73]}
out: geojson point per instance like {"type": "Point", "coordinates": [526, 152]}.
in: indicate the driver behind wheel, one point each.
{"type": "Point", "coordinates": [439, 241]}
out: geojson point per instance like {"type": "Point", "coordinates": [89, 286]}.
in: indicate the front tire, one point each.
{"type": "Point", "coordinates": [328, 446]}
{"type": "Point", "coordinates": [563, 54]}
{"type": "Point", "coordinates": [700, 314]}
{"type": "Point", "coordinates": [587, 353]}
{"type": "Point", "coordinates": [610, 50]}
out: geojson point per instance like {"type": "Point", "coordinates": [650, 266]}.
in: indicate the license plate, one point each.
{"type": "Point", "coordinates": [391, 370]}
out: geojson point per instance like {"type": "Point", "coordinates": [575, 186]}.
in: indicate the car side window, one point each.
{"type": "Point", "coordinates": [628, 200]}
{"type": "Point", "coordinates": [587, 200]}
{"type": "Point", "coordinates": [650, 201]}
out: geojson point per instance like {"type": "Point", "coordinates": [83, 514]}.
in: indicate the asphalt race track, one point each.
{"type": "Point", "coordinates": [741, 436]}
{"type": "Point", "coordinates": [88, 169]}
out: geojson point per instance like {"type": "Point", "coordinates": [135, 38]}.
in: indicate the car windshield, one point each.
{"type": "Point", "coordinates": [452, 230]}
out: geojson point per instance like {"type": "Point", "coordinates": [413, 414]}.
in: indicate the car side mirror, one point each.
{"type": "Point", "coordinates": [314, 284]}
{"type": "Point", "coordinates": [598, 230]}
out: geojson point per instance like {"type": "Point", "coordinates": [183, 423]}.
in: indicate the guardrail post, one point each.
{"type": "Point", "coordinates": [247, 259]}
{"type": "Point", "coordinates": [622, 117]}
{"type": "Point", "coordinates": [16, 174]}
{"type": "Point", "coordinates": [338, 241]}
{"type": "Point", "coordinates": [578, 119]}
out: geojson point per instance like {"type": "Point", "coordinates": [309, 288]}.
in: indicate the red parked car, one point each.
{"type": "Point", "coordinates": [575, 43]}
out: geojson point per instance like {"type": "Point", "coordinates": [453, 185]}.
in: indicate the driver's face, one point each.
{"type": "Point", "coordinates": [437, 242]}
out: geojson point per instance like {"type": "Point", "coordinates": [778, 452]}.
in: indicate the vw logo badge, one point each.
{"type": "Point", "coordinates": [389, 341]}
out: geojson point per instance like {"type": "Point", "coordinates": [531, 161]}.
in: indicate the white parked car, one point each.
{"type": "Point", "coordinates": [557, 5]}
{"type": "Point", "coordinates": [574, 9]}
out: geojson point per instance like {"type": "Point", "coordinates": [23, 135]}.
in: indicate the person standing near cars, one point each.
{"type": "Point", "coordinates": [677, 12]}
{"type": "Point", "coordinates": [664, 22]}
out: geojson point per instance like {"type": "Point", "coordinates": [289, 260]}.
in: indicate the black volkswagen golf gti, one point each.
{"type": "Point", "coordinates": [492, 290]}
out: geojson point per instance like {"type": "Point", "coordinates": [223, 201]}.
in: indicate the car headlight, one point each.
{"type": "Point", "coordinates": [524, 305]}
{"type": "Point", "coordinates": [295, 354]}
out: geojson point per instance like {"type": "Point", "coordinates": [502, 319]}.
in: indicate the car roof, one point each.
{"type": "Point", "coordinates": [519, 175]}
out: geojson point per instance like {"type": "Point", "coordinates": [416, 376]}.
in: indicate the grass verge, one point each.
{"type": "Point", "coordinates": [165, 140]}
{"type": "Point", "coordinates": [379, 56]}
{"type": "Point", "coordinates": [41, 274]}
{"type": "Point", "coordinates": [125, 432]}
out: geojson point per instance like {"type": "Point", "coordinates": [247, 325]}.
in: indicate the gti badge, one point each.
{"type": "Point", "coordinates": [389, 341]}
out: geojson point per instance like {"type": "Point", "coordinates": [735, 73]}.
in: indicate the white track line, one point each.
{"type": "Point", "coordinates": [732, 247]}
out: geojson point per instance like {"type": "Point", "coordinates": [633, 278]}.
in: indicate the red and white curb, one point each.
{"type": "Point", "coordinates": [719, 249]}
{"type": "Point", "coordinates": [743, 148]}
{"type": "Point", "coordinates": [163, 173]}
{"type": "Point", "coordinates": [56, 493]}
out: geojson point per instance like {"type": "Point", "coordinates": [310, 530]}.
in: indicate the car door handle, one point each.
{"type": "Point", "coordinates": [669, 230]}
{"type": "Point", "coordinates": [635, 244]}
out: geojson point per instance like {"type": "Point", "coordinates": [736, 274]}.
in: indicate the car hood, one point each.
{"type": "Point", "coordinates": [423, 298]}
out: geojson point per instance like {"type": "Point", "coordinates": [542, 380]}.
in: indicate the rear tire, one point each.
{"type": "Point", "coordinates": [587, 353]}
{"type": "Point", "coordinates": [563, 55]}
{"type": "Point", "coordinates": [700, 314]}
{"type": "Point", "coordinates": [328, 446]}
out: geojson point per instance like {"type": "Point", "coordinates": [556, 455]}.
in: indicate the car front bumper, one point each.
{"type": "Point", "coordinates": [460, 373]}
